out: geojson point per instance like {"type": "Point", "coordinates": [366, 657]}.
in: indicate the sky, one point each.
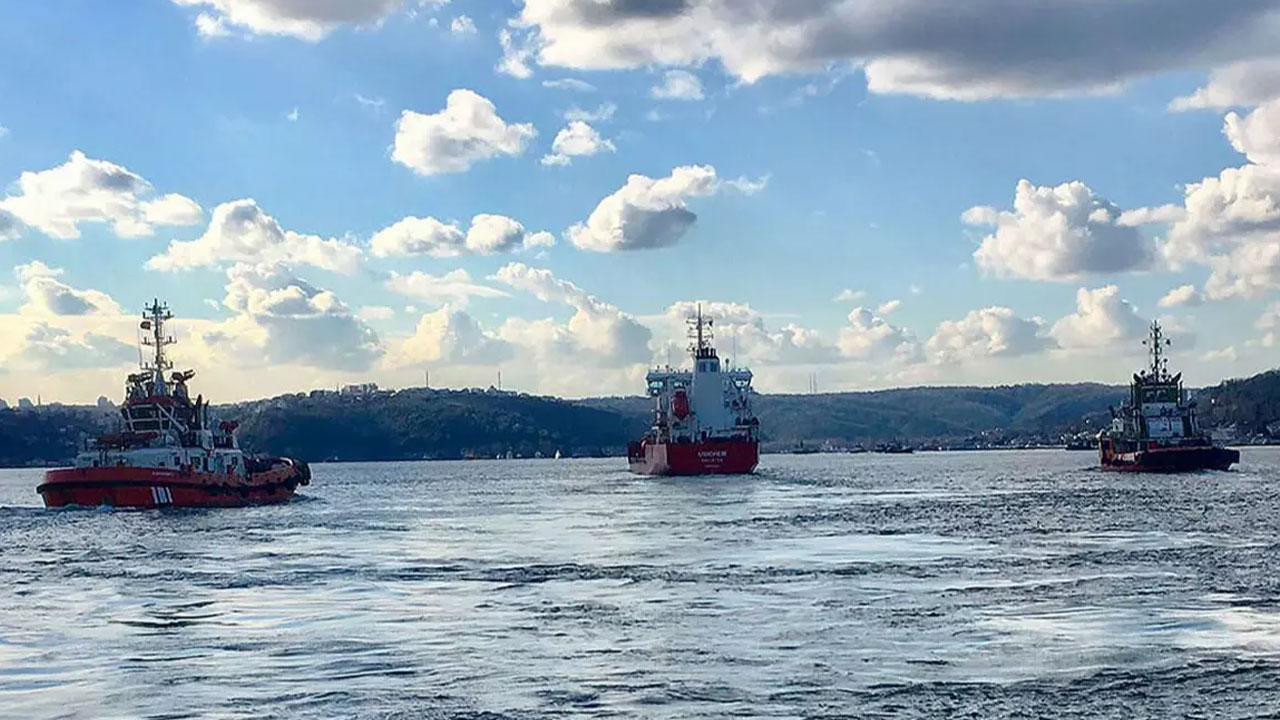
{"type": "Point", "coordinates": [865, 193]}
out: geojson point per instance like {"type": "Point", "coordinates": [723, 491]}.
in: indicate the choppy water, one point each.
{"type": "Point", "coordinates": [934, 585]}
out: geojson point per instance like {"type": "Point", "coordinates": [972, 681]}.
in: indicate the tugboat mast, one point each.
{"type": "Point", "coordinates": [1156, 343]}
{"type": "Point", "coordinates": [154, 317]}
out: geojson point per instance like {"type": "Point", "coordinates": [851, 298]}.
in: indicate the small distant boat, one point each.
{"type": "Point", "coordinates": [801, 449]}
{"type": "Point", "coordinates": [894, 448]}
{"type": "Point", "coordinates": [1079, 442]}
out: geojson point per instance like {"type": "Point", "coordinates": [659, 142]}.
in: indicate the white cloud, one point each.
{"type": "Point", "coordinates": [462, 25]}
{"type": "Point", "coordinates": [451, 336]}
{"type": "Point", "coordinates": [372, 103]}
{"type": "Point", "coordinates": [741, 333]}
{"type": "Point", "coordinates": [646, 212]}
{"type": "Point", "coordinates": [1182, 296]}
{"type": "Point", "coordinates": [1161, 214]}
{"type": "Point", "coordinates": [597, 334]}
{"type": "Point", "coordinates": [604, 111]}
{"type": "Point", "coordinates": [1256, 135]}
{"type": "Point", "coordinates": [887, 308]}
{"type": "Point", "coordinates": [41, 347]}
{"type": "Point", "coordinates": [978, 49]}
{"type": "Point", "coordinates": [281, 319]}
{"type": "Point", "coordinates": [172, 209]}
{"type": "Point", "coordinates": [240, 231]}
{"type": "Point", "coordinates": [454, 287]}
{"type": "Point", "coordinates": [10, 225]}
{"type": "Point", "coordinates": [1102, 319]}
{"type": "Point", "coordinates": [1058, 233]}
{"type": "Point", "coordinates": [1269, 323]}
{"type": "Point", "coordinates": [369, 313]}
{"type": "Point", "coordinates": [83, 190]}
{"type": "Point", "coordinates": [516, 54]}
{"type": "Point", "coordinates": [569, 84]}
{"type": "Point", "coordinates": [1237, 206]}
{"type": "Point", "coordinates": [467, 130]}
{"type": "Point", "coordinates": [1241, 84]}
{"type": "Point", "coordinates": [47, 295]}
{"type": "Point", "coordinates": [988, 332]}
{"type": "Point", "coordinates": [1227, 354]}
{"type": "Point", "coordinates": [849, 295]}
{"type": "Point", "coordinates": [310, 21]}
{"type": "Point", "coordinates": [488, 235]}
{"type": "Point", "coordinates": [578, 139]}
{"type": "Point", "coordinates": [210, 26]}
{"type": "Point", "coordinates": [1250, 270]}
{"type": "Point", "coordinates": [1231, 222]}
{"type": "Point", "coordinates": [871, 338]}
{"type": "Point", "coordinates": [747, 186]}
{"type": "Point", "coordinates": [678, 85]}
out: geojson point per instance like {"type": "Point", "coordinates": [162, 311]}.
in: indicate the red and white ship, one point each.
{"type": "Point", "coordinates": [170, 451]}
{"type": "Point", "coordinates": [1157, 430]}
{"type": "Point", "coordinates": [703, 423]}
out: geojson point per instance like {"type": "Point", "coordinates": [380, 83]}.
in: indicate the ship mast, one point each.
{"type": "Point", "coordinates": [154, 317]}
{"type": "Point", "coordinates": [701, 335]}
{"type": "Point", "coordinates": [1156, 343]}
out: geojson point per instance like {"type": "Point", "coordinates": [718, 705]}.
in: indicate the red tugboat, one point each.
{"type": "Point", "coordinates": [703, 424]}
{"type": "Point", "coordinates": [1157, 429]}
{"type": "Point", "coordinates": [170, 452]}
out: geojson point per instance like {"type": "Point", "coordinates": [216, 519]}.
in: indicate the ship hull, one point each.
{"type": "Point", "coordinates": [142, 487]}
{"type": "Point", "coordinates": [1170, 460]}
{"type": "Point", "coordinates": [686, 459]}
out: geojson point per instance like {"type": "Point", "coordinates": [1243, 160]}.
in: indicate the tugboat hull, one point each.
{"type": "Point", "coordinates": [703, 458]}
{"type": "Point", "coordinates": [143, 487]}
{"type": "Point", "coordinates": [1170, 460]}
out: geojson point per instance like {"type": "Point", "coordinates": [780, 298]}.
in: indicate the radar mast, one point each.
{"type": "Point", "coordinates": [700, 332]}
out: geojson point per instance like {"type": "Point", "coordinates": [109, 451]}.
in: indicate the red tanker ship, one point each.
{"type": "Point", "coordinates": [170, 451]}
{"type": "Point", "coordinates": [703, 423]}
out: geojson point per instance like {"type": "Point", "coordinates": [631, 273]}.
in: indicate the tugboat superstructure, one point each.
{"type": "Point", "coordinates": [1157, 429]}
{"type": "Point", "coordinates": [170, 450]}
{"type": "Point", "coordinates": [703, 422]}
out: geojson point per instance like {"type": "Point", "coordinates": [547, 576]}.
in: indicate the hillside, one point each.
{"type": "Point", "coordinates": [46, 436]}
{"type": "Point", "coordinates": [924, 414]}
{"type": "Point", "coordinates": [419, 423]}
{"type": "Point", "coordinates": [1247, 406]}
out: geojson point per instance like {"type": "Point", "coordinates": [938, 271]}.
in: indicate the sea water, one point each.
{"type": "Point", "coordinates": [985, 584]}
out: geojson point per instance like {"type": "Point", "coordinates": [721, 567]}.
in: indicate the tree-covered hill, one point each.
{"type": "Point", "coordinates": [420, 423]}
{"type": "Point", "coordinates": [1247, 405]}
{"type": "Point", "coordinates": [48, 435]}
{"type": "Point", "coordinates": [922, 414]}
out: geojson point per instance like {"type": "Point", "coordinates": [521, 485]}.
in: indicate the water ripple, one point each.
{"type": "Point", "coordinates": [974, 585]}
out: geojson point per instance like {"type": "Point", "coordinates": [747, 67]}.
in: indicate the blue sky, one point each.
{"type": "Point", "coordinates": [802, 157]}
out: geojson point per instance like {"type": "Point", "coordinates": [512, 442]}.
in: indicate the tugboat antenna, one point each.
{"type": "Point", "coordinates": [1155, 347]}
{"type": "Point", "coordinates": [154, 317]}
